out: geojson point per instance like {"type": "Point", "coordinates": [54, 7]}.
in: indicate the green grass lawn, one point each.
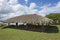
{"type": "Point", "coordinates": [15, 34]}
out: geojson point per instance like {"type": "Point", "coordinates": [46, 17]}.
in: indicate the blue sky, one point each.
{"type": "Point", "coordinates": [39, 2]}
{"type": "Point", "coordinates": [12, 8]}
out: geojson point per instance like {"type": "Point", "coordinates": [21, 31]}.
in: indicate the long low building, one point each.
{"type": "Point", "coordinates": [31, 18]}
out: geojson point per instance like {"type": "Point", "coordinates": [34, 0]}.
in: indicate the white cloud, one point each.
{"type": "Point", "coordinates": [5, 8]}
{"type": "Point", "coordinates": [13, 2]}
{"type": "Point", "coordinates": [26, 0]}
{"type": "Point", "coordinates": [1, 0]}
{"type": "Point", "coordinates": [32, 5]}
{"type": "Point", "coordinates": [58, 5]}
{"type": "Point", "coordinates": [12, 8]}
{"type": "Point", "coordinates": [46, 9]}
{"type": "Point", "coordinates": [17, 7]}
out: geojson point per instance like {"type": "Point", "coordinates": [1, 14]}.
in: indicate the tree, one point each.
{"type": "Point", "coordinates": [54, 16]}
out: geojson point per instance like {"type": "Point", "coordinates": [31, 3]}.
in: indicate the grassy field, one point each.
{"type": "Point", "coordinates": [15, 34]}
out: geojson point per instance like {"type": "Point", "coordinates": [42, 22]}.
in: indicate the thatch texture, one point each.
{"type": "Point", "coordinates": [32, 18]}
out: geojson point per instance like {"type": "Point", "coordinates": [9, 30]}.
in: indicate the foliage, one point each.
{"type": "Point", "coordinates": [1, 25]}
{"type": "Point", "coordinates": [54, 16]}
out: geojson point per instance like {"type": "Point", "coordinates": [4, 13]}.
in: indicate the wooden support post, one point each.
{"type": "Point", "coordinates": [17, 24]}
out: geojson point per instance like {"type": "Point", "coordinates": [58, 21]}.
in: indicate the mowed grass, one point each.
{"type": "Point", "coordinates": [15, 34]}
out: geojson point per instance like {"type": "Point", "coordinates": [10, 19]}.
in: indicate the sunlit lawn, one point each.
{"type": "Point", "coordinates": [15, 34]}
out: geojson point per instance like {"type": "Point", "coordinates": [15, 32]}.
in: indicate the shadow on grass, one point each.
{"type": "Point", "coordinates": [36, 28]}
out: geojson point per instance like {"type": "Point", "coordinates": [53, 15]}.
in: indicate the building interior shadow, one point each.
{"type": "Point", "coordinates": [35, 28]}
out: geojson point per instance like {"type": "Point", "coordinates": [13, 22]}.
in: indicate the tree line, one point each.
{"type": "Point", "coordinates": [54, 16]}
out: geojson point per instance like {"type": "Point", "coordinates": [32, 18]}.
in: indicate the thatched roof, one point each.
{"type": "Point", "coordinates": [31, 18]}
